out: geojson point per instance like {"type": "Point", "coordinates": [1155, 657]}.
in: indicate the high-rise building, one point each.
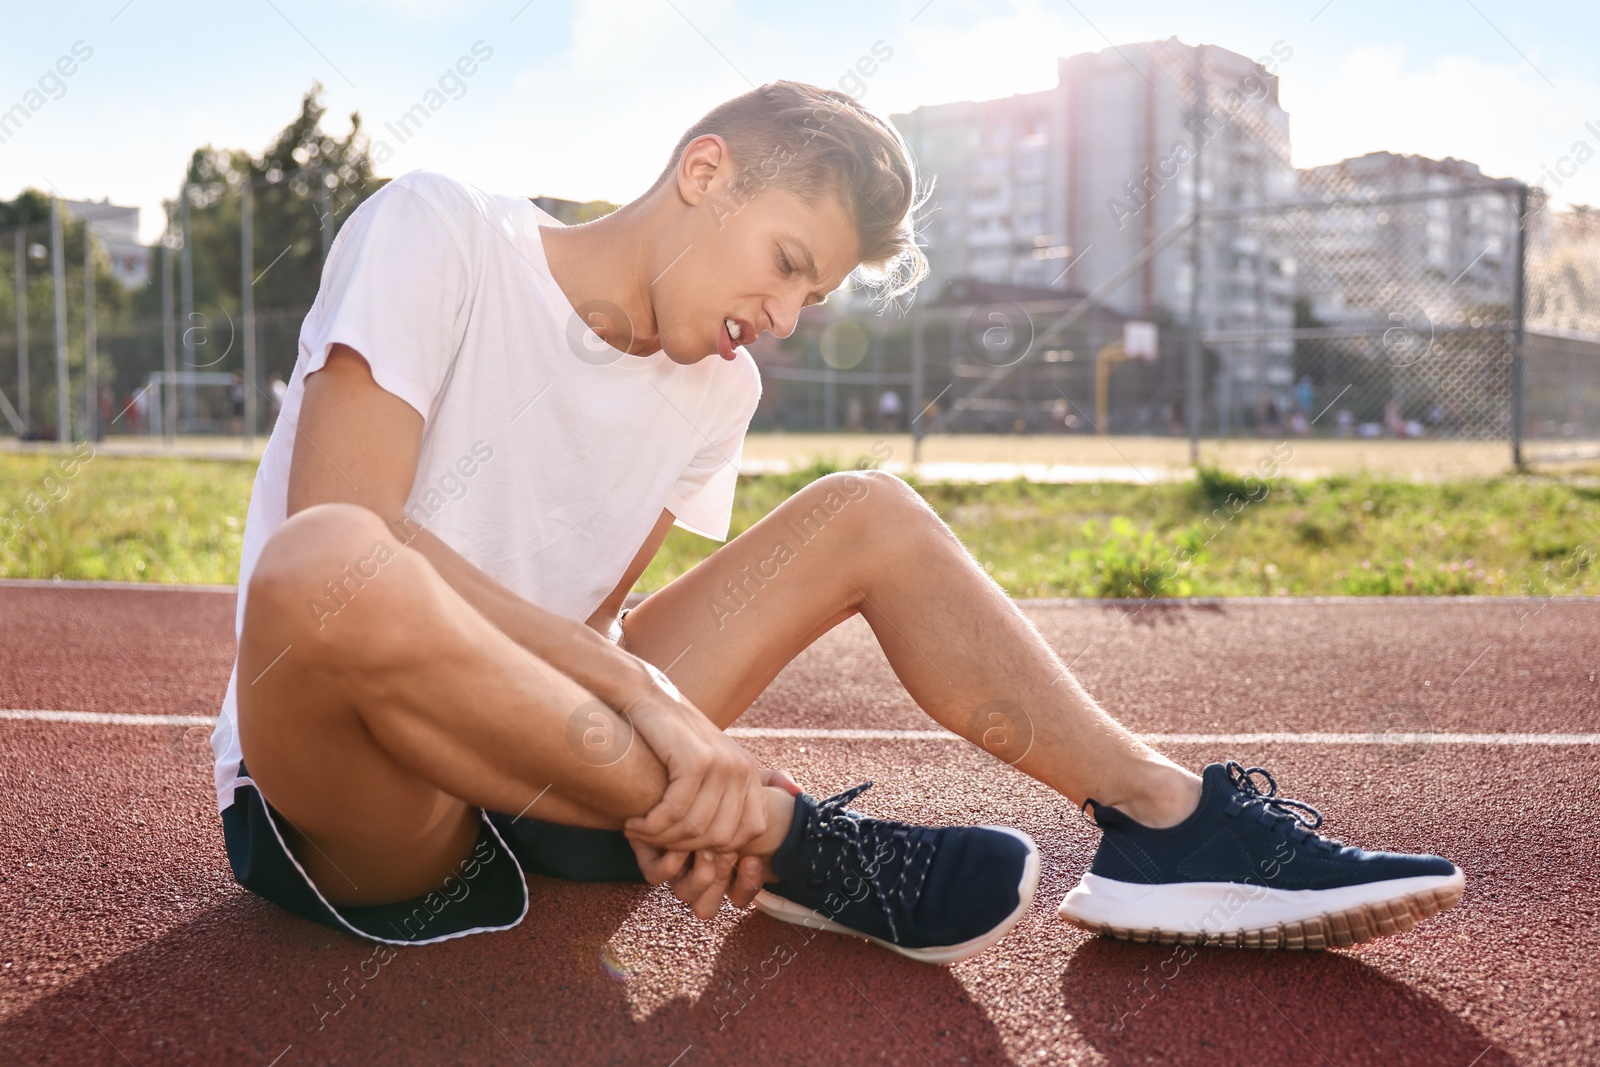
{"type": "Point", "coordinates": [1087, 187]}
{"type": "Point", "coordinates": [1421, 249]}
{"type": "Point", "coordinates": [117, 228]}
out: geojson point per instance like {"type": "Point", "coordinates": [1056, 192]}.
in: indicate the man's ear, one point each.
{"type": "Point", "coordinates": [703, 159]}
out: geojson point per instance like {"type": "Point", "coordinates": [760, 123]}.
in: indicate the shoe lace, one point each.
{"type": "Point", "coordinates": [1299, 819]}
{"type": "Point", "coordinates": [873, 843]}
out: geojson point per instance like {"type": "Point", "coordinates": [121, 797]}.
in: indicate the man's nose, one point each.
{"type": "Point", "coordinates": [784, 316]}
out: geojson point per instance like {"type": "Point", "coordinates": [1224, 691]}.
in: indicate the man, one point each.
{"type": "Point", "coordinates": [236, 399]}
{"type": "Point", "coordinates": [889, 411]}
{"type": "Point", "coordinates": [493, 422]}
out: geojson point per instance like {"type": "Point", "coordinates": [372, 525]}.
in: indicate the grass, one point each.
{"type": "Point", "coordinates": [1217, 535]}
{"type": "Point", "coordinates": [1345, 534]}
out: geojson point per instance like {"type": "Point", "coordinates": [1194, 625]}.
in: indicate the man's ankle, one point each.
{"type": "Point", "coordinates": [1164, 796]}
{"type": "Point", "coordinates": [780, 814]}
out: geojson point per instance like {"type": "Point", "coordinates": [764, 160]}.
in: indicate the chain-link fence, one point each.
{"type": "Point", "coordinates": [1404, 325]}
{"type": "Point", "coordinates": [1385, 296]}
{"type": "Point", "coordinates": [1342, 313]}
{"type": "Point", "coordinates": [193, 336]}
{"type": "Point", "coordinates": [1560, 388]}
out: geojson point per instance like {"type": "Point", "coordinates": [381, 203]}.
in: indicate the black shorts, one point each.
{"type": "Point", "coordinates": [488, 891]}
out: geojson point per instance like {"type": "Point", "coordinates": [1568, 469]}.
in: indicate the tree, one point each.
{"type": "Point", "coordinates": [31, 208]}
{"type": "Point", "coordinates": [303, 173]}
{"type": "Point", "coordinates": [288, 180]}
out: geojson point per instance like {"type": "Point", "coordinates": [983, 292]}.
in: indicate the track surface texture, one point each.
{"type": "Point", "coordinates": [125, 940]}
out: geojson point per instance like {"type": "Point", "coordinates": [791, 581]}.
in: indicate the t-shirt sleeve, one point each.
{"type": "Point", "coordinates": [702, 500]}
{"type": "Point", "coordinates": [395, 289]}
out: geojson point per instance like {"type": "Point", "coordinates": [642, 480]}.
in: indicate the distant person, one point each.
{"type": "Point", "coordinates": [1393, 424]}
{"type": "Point", "coordinates": [853, 414]}
{"type": "Point", "coordinates": [107, 401]}
{"type": "Point", "coordinates": [139, 410]}
{"type": "Point", "coordinates": [236, 403]}
{"type": "Point", "coordinates": [1303, 392]}
{"type": "Point", "coordinates": [1345, 420]}
{"type": "Point", "coordinates": [278, 389]}
{"type": "Point", "coordinates": [132, 416]}
{"type": "Point", "coordinates": [889, 411]}
{"type": "Point", "coordinates": [1269, 419]}
{"type": "Point", "coordinates": [438, 690]}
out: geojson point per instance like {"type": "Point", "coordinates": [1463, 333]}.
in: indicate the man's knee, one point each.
{"type": "Point", "coordinates": [323, 563]}
{"type": "Point", "coordinates": [872, 503]}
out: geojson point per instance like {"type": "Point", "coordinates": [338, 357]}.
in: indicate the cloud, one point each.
{"type": "Point", "coordinates": [599, 119]}
{"type": "Point", "coordinates": [948, 58]}
{"type": "Point", "coordinates": [1502, 116]}
{"type": "Point", "coordinates": [421, 10]}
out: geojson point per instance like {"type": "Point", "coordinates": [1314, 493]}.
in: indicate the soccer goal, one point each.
{"type": "Point", "coordinates": [201, 402]}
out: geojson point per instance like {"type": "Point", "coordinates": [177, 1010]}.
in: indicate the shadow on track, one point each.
{"type": "Point", "coordinates": [1172, 1005]}
{"type": "Point", "coordinates": [1158, 611]}
{"type": "Point", "coordinates": [244, 982]}
{"type": "Point", "coordinates": [786, 994]}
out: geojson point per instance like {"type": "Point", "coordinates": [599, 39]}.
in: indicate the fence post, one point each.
{"type": "Point", "coordinates": [91, 339]}
{"type": "Point", "coordinates": [58, 274]}
{"type": "Point", "coordinates": [247, 306]}
{"type": "Point", "coordinates": [1193, 401]}
{"type": "Point", "coordinates": [325, 208]}
{"type": "Point", "coordinates": [916, 387]}
{"type": "Point", "coordinates": [186, 295]}
{"type": "Point", "coordinates": [22, 325]}
{"type": "Point", "coordinates": [1519, 312]}
{"type": "Point", "coordinates": [168, 397]}
{"type": "Point", "coordinates": [829, 391]}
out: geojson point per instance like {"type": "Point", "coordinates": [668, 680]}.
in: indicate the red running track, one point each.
{"type": "Point", "coordinates": [125, 940]}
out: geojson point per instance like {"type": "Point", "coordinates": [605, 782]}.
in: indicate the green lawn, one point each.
{"type": "Point", "coordinates": [181, 520]}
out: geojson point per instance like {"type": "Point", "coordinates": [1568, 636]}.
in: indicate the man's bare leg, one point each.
{"type": "Point", "coordinates": [377, 731]}
{"type": "Point", "coordinates": [864, 542]}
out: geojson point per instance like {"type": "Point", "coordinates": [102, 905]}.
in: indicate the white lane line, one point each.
{"type": "Point", "coordinates": [1420, 738]}
{"type": "Point", "coordinates": [780, 733]}
{"type": "Point", "coordinates": [777, 733]}
{"type": "Point", "coordinates": [107, 718]}
{"type": "Point", "coordinates": [783, 733]}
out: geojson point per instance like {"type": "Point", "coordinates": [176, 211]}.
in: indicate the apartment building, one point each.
{"type": "Point", "coordinates": [117, 229]}
{"type": "Point", "coordinates": [1087, 187]}
{"type": "Point", "coordinates": [1423, 244]}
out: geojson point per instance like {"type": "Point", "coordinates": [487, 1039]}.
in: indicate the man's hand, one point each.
{"type": "Point", "coordinates": [713, 796]}
{"type": "Point", "coordinates": [702, 878]}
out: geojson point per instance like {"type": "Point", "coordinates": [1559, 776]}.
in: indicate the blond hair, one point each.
{"type": "Point", "coordinates": [817, 143]}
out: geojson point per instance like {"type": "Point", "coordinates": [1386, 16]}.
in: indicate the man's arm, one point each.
{"type": "Point", "coordinates": [608, 610]}
{"type": "Point", "coordinates": [377, 439]}
{"type": "Point", "coordinates": [360, 444]}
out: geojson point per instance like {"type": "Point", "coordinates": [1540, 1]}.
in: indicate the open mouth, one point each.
{"type": "Point", "coordinates": [734, 332]}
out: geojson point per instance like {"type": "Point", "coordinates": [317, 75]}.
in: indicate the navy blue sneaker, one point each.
{"type": "Point", "coordinates": [1248, 870]}
{"type": "Point", "coordinates": [935, 894]}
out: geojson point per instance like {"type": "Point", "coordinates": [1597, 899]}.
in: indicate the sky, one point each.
{"type": "Point", "coordinates": [583, 99]}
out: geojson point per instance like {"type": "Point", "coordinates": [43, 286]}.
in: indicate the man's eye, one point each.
{"type": "Point", "coordinates": [783, 263]}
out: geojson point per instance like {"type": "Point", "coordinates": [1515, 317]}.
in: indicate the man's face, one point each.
{"type": "Point", "coordinates": [755, 260]}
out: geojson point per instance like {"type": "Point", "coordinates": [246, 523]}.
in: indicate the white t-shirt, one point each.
{"type": "Point", "coordinates": [547, 456]}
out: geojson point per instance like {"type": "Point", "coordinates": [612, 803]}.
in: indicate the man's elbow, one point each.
{"type": "Point", "coordinates": [404, 527]}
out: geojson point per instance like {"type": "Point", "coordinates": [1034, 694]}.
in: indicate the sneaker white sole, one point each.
{"type": "Point", "coordinates": [1255, 916]}
{"type": "Point", "coordinates": [790, 912]}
